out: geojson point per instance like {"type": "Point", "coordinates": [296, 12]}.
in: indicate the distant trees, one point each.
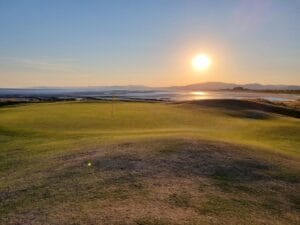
{"type": "Point", "coordinates": [239, 89]}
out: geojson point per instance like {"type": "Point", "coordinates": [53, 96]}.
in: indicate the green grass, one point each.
{"type": "Point", "coordinates": [62, 121]}
{"type": "Point", "coordinates": [195, 164]}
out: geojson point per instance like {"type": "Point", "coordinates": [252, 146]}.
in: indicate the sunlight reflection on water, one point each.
{"type": "Point", "coordinates": [199, 95]}
{"type": "Point", "coordinates": [190, 95]}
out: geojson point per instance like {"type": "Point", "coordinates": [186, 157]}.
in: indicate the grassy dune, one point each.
{"type": "Point", "coordinates": [150, 163]}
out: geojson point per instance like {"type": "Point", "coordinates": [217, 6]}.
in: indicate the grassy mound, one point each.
{"type": "Point", "coordinates": [147, 163]}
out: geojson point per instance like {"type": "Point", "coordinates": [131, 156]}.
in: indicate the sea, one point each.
{"type": "Point", "coordinates": [154, 95]}
{"type": "Point", "coordinates": [195, 95]}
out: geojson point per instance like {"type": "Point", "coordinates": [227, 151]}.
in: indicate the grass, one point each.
{"type": "Point", "coordinates": [147, 163]}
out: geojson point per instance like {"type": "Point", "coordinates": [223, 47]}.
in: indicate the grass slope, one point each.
{"type": "Point", "coordinates": [151, 163]}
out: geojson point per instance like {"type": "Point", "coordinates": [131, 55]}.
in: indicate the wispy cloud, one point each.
{"type": "Point", "coordinates": [61, 65]}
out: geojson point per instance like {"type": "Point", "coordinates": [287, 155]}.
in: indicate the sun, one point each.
{"type": "Point", "coordinates": [201, 62]}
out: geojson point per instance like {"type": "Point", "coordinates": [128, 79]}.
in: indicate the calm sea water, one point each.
{"type": "Point", "coordinates": [195, 95]}
{"type": "Point", "coordinates": [142, 94]}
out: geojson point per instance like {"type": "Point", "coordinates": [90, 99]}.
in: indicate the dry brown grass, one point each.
{"type": "Point", "coordinates": [158, 181]}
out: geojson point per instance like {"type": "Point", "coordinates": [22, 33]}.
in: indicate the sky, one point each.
{"type": "Point", "coordinates": [147, 42]}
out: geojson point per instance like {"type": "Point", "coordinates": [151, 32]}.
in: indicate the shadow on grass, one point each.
{"type": "Point", "coordinates": [250, 114]}
{"type": "Point", "coordinates": [241, 105]}
{"type": "Point", "coordinates": [202, 162]}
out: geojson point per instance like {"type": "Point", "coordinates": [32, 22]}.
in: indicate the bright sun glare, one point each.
{"type": "Point", "coordinates": [201, 62]}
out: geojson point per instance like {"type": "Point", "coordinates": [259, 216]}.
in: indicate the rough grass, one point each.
{"type": "Point", "coordinates": [147, 163]}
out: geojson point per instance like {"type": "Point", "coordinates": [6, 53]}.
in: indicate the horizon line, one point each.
{"type": "Point", "coordinates": [146, 86]}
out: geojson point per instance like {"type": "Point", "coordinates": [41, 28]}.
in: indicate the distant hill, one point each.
{"type": "Point", "coordinates": [96, 90]}
{"type": "Point", "coordinates": [209, 86]}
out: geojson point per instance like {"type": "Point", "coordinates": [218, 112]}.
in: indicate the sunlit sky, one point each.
{"type": "Point", "coordinates": [147, 42]}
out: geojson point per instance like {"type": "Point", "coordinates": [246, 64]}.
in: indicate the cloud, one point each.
{"type": "Point", "coordinates": [59, 65]}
